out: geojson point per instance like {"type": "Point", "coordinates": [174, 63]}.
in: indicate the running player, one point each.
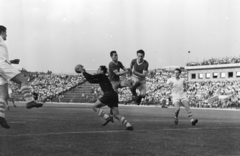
{"type": "Point", "coordinates": [139, 68]}
{"type": "Point", "coordinates": [8, 72]}
{"type": "Point", "coordinates": [109, 98]}
{"type": "Point", "coordinates": [179, 95]}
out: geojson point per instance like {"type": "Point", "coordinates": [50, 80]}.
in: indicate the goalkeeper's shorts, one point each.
{"type": "Point", "coordinates": [7, 72]}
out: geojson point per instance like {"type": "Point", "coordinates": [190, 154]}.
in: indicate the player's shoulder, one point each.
{"type": "Point", "coordinates": [119, 62]}
{"type": "Point", "coordinates": [110, 63]}
{"type": "Point", "coordinates": [134, 60]}
{"type": "Point", "coordinates": [145, 61]}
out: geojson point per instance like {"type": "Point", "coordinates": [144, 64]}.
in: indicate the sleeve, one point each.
{"type": "Point", "coordinates": [91, 78]}
{"type": "Point", "coordinates": [112, 67]}
{"type": "Point", "coordinates": [145, 68]}
{"type": "Point", "coordinates": [121, 65]}
{"type": "Point", "coordinates": [132, 64]}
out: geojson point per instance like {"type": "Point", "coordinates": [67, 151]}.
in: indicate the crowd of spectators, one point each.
{"type": "Point", "coordinates": [48, 86]}
{"type": "Point", "coordinates": [216, 61]}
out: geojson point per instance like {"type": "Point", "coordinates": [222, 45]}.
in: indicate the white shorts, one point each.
{"type": "Point", "coordinates": [179, 98]}
{"type": "Point", "coordinates": [7, 72]}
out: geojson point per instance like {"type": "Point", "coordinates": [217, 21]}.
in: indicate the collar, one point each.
{"type": "Point", "coordinates": [115, 63]}
{"type": "Point", "coordinates": [140, 63]}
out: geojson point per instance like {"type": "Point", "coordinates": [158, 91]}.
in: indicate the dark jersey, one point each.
{"type": "Point", "coordinates": [139, 67]}
{"type": "Point", "coordinates": [101, 79]}
{"type": "Point", "coordinates": [112, 67]}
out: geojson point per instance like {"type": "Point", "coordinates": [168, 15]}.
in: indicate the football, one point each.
{"type": "Point", "coordinates": [78, 68]}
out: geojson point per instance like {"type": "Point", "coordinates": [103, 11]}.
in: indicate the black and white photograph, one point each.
{"type": "Point", "coordinates": [119, 77]}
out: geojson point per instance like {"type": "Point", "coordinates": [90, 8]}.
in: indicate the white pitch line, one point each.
{"type": "Point", "coordinates": [20, 122]}
{"type": "Point", "coordinates": [119, 131]}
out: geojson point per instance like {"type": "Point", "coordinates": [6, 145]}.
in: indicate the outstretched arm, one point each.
{"type": "Point", "coordinates": [91, 78]}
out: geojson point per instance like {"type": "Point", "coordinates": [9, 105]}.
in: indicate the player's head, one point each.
{"type": "Point", "coordinates": [3, 32]}
{"type": "Point", "coordinates": [177, 72]}
{"type": "Point", "coordinates": [114, 55]}
{"type": "Point", "coordinates": [140, 55]}
{"type": "Point", "coordinates": [102, 70]}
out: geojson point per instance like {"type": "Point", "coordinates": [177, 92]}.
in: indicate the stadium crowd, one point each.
{"type": "Point", "coordinates": [216, 61]}
{"type": "Point", "coordinates": [48, 86]}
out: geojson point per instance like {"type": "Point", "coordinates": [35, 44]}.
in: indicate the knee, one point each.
{"type": "Point", "coordinates": [4, 97]}
{"type": "Point", "coordinates": [142, 95]}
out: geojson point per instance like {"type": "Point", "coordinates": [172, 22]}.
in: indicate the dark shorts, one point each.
{"type": "Point", "coordinates": [110, 99]}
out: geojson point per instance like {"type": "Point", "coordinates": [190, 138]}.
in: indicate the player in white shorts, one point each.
{"type": "Point", "coordinates": [9, 73]}
{"type": "Point", "coordinates": [179, 95]}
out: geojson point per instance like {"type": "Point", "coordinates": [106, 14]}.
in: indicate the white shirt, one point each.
{"type": "Point", "coordinates": [3, 51]}
{"type": "Point", "coordinates": [177, 86]}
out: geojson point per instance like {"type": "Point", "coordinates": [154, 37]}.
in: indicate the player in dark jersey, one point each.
{"type": "Point", "coordinates": [114, 76]}
{"type": "Point", "coordinates": [139, 68]}
{"type": "Point", "coordinates": [109, 98]}
{"type": "Point", "coordinates": [115, 73]}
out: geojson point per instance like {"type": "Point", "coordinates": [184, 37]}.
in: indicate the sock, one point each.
{"type": "Point", "coordinates": [190, 116]}
{"type": "Point", "coordinates": [101, 113]}
{"type": "Point", "coordinates": [27, 93]}
{"type": "Point", "coordinates": [176, 114]}
{"type": "Point", "coordinates": [125, 122]}
{"type": "Point", "coordinates": [2, 108]}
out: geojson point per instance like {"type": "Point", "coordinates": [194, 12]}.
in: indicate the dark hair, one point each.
{"type": "Point", "coordinates": [2, 28]}
{"type": "Point", "coordinates": [141, 52]}
{"type": "Point", "coordinates": [104, 69]}
{"type": "Point", "coordinates": [179, 70]}
{"type": "Point", "coordinates": [112, 52]}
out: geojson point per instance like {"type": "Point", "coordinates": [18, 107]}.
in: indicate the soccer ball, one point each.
{"type": "Point", "coordinates": [78, 68]}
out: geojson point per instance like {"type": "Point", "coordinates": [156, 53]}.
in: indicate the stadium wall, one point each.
{"type": "Point", "coordinates": [214, 72]}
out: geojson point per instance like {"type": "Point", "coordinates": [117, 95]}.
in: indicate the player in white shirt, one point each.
{"type": "Point", "coordinates": [179, 95]}
{"type": "Point", "coordinates": [9, 73]}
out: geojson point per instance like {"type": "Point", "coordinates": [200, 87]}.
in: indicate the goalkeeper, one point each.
{"type": "Point", "coordinates": [109, 98]}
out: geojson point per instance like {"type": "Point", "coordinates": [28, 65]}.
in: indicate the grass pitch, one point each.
{"type": "Point", "coordinates": [74, 129]}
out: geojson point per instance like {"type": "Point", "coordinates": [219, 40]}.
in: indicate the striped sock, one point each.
{"type": "Point", "coordinates": [2, 108]}
{"type": "Point", "coordinates": [190, 115]}
{"type": "Point", "coordinates": [27, 93]}
{"type": "Point", "coordinates": [125, 122]}
{"type": "Point", "coordinates": [101, 113]}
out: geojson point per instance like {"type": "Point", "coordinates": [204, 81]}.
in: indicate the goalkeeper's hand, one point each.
{"type": "Point", "coordinates": [15, 61]}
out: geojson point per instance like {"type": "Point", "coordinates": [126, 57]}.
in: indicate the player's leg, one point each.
{"type": "Point", "coordinates": [3, 101]}
{"type": "Point", "coordinates": [189, 113]}
{"type": "Point", "coordinates": [11, 98]}
{"type": "Point", "coordinates": [121, 118]}
{"type": "Point", "coordinates": [97, 109]}
{"type": "Point", "coordinates": [134, 86]}
{"type": "Point", "coordinates": [115, 85]}
{"type": "Point", "coordinates": [177, 110]}
{"type": "Point", "coordinates": [142, 88]}
{"type": "Point", "coordinates": [25, 89]}
{"type": "Point", "coordinates": [109, 119]}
